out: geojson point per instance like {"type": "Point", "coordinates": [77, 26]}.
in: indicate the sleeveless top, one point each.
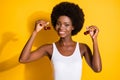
{"type": "Point", "coordinates": [67, 67]}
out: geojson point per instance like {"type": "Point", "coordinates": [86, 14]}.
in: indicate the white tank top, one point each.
{"type": "Point", "coordinates": [67, 67]}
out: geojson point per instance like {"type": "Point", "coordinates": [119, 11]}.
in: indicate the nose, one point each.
{"type": "Point", "coordinates": [61, 27]}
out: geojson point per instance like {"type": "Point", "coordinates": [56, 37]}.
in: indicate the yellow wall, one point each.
{"type": "Point", "coordinates": [17, 22]}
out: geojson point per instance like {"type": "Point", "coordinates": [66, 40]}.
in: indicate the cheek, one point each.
{"type": "Point", "coordinates": [70, 28]}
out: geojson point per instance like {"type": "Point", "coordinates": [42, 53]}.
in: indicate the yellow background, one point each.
{"type": "Point", "coordinates": [17, 19]}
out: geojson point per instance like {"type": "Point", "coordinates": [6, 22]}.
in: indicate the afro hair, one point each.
{"type": "Point", "coordinates": [73, 11]}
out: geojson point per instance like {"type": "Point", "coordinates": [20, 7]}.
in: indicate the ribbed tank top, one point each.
{"type": "Point", "coordinates": [67, 67]}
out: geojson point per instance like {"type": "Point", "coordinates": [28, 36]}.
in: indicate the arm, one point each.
{"type": "Point", "coordinates": [94, 60]}
{"type": "Point", "coordinates": [26, 54]}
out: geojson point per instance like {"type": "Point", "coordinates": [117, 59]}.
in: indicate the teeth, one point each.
{"type": "Point", "coordinates": [61, 32]}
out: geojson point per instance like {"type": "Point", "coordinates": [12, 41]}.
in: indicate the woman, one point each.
{"type": "Point", "coordinates": [65, 54]}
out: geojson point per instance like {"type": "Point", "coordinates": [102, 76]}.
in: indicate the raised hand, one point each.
{"type": "Point", "coordinates": [40, 24]}
{"type": "Point", "coordinates": [92, 30]}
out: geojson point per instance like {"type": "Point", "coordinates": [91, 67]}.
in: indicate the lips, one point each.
{"type": "Point", "coordinates": [61, 32]}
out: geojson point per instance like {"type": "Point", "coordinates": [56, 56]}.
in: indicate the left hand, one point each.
{"type": "Point", "coordinates": [93, 31]}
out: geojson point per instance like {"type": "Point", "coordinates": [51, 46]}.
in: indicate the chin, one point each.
{"type": "Point", "coordinates": [62, 36]}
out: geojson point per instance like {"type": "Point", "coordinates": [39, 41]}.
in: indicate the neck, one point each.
{"type": "Point", "coordinates": [65, 41]}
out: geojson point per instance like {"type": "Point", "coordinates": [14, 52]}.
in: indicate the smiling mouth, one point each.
{"type": "Point", "coordinates": [61, 32]}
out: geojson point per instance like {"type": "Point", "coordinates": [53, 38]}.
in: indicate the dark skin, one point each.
{"type": "Point", "coordinates": [65, 44]}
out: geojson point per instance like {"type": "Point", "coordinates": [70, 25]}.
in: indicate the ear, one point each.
{"type": "Point", "coordinates": [73, 28]}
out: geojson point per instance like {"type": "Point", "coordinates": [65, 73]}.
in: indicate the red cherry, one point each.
{"type": "Point", "coordinates": [40, 24]}
{"type": "Point", "coordinates": [47, 28]}
{"type": "Point", "coordinates": [86, 32]}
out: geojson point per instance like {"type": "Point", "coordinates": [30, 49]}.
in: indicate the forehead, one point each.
{"type": "Point", "coordinates": [64, 19]}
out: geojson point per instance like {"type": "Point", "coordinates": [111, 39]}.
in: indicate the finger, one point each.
{"type": "Point", "coordinates": [46, 24]}
{"type": "Point", "coordinates": [93, 28]}
{"type": "Point", "coordinates": [94, 35]}
{"type": "Point", "coordinates": [87, 28]}
{"type": "Point", "coordinates": [96, 30]}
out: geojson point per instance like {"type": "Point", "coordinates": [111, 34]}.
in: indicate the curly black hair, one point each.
{"type": "Point", "coordinates": [73, 11]}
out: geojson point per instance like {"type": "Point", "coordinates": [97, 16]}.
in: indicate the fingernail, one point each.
{"type": "Point", "coordinates": [47, 23]}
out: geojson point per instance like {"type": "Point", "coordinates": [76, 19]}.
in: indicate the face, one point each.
{"type": "Point", "coordinates": [64, 26]}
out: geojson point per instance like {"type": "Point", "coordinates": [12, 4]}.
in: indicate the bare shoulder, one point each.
{"type": "Point", "coordinates": [83, 47]}
{"type": "Point", "coordinates": [47, 49]}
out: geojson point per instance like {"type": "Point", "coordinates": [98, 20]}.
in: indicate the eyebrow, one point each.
{"type": "Point", "coordinates": [65, 22]}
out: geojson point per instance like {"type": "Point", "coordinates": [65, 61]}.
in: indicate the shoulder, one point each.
{"type": "Point", "coordinates": [47, 48]}
{"type": "Point", "coordinates": [83, 48]}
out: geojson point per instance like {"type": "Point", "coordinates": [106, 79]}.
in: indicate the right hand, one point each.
{"type": "Point", "coordinates": [40, 24]}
